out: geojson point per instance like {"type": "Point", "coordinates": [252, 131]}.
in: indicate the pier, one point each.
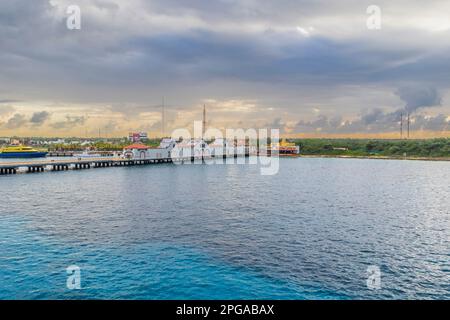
{"type": "Point", "coordinates": [73, 164]}
{"type": "Point", "coordinates": [7, 168]}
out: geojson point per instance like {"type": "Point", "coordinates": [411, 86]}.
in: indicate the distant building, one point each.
{"type": "Point", "coordinates": [5, 140]}
{"type": "Point", "coordinates": [137, 136]}
{"type": "Point", "coordinates": [15, 142]}
{"type": "Point", "coordinates": [86, 143]}
{"type": "Point", "coordinates": [59, 141]}
{"type": "Point", "coordinates": [340, 149]}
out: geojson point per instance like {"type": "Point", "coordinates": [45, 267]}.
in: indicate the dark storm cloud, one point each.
{"type": "Point", "coordinates": [205, 55]}
{"type": "Point", "coordinates": [106, 5]}
{"type": "Point", "coordinates": [372, 116]}
{"type": "Point", "coordinates": [16, 121]}
{"type": "Point", "coordinates": [128, 56]}
{"type": "Point", "coordinates": [379, 122]}
{"type": "Point", "coordinates": [98, 54]}
{"type": "Point", "coordinates": [38, 118]}
{"type": "Point", "coordinates": [70, 122]}
{"type": "Point", "coordinates": [19, 120]}
{"type": "Point", "coordinates": [110, 127]}
{"type": "Point", "coordinates": [3, 101]}
{"type": "Point", "coordinates": [417, 97]}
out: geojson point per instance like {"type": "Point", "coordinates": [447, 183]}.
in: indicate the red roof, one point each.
{"type": "Point", "coordinates": [138, 146]}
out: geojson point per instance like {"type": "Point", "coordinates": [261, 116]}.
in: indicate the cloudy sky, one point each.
{"type": "Point", "coordinates": [307, 67]}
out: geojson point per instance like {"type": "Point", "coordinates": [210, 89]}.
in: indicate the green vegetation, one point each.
{"type": "Point", "coordinates": [100, 145]}
{"type": "Point", "coordinates": [413, 148]}
{"type": "Point", "coordinates": [435, 148]}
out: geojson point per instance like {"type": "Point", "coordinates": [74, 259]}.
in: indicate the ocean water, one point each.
{"type": "Point", "coordinates": [227, 232]}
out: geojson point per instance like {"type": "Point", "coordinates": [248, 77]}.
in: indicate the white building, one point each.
{"type": "Point", "coordinates": [164, 149]}
{"type": "Point", "coordinates": [141, 151]}
{"type": "Point", "coordinates": [167, 143]}
{"type": "Point", "coordinates": [191, 148]}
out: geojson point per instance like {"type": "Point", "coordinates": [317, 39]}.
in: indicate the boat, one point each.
{"type": "Point", "coordinates": [21, 152]}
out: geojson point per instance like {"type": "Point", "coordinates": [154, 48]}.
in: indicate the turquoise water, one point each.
{"type": "Point", "coordinates": [226, 232]}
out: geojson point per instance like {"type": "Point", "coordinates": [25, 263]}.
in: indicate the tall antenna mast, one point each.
{"type": "Point", "coordinates": [162, 117]}
{"type": "Point", "coordinates": [204, 121]}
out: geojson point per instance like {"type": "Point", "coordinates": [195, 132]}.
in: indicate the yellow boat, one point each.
{"type": "Point", "coordinates": [21, 152]}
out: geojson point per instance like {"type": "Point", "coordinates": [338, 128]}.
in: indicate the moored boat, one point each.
{"type": "Point", "coordinates": [87, 154]}
{"type": "Point", "coordinates": [21, 152]}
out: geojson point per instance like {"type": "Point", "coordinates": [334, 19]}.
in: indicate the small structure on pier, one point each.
{"type": "Point", "coordinates": [136, 151]}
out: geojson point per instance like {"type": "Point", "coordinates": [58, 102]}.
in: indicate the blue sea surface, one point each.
{"type": "Point", "coordinates": [228, 232]}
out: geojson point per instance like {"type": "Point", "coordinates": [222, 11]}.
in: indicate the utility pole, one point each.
{"type": "Point", "coordinates": [401, 125]}
{"type": "Point", "coordinates": [85, 126]}
{"type": "Point", "coordinates": [408, 125]}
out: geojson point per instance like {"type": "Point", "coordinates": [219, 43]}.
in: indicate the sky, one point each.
{"type": "Point", "coordinates": [309, 68]}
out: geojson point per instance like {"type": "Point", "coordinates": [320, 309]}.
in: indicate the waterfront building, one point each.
{"type": "Point", "coordinates": [141, 151]}
{"type": "Point", "coordinates": [192, 148]}
{"type": "Point", "coordinates": [163, 150]}
{"type": "Point", "coordinates": [136, 151]}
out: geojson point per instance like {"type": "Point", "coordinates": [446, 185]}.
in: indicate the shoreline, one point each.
{"type": "Point", "coordinates": [368, 157]}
